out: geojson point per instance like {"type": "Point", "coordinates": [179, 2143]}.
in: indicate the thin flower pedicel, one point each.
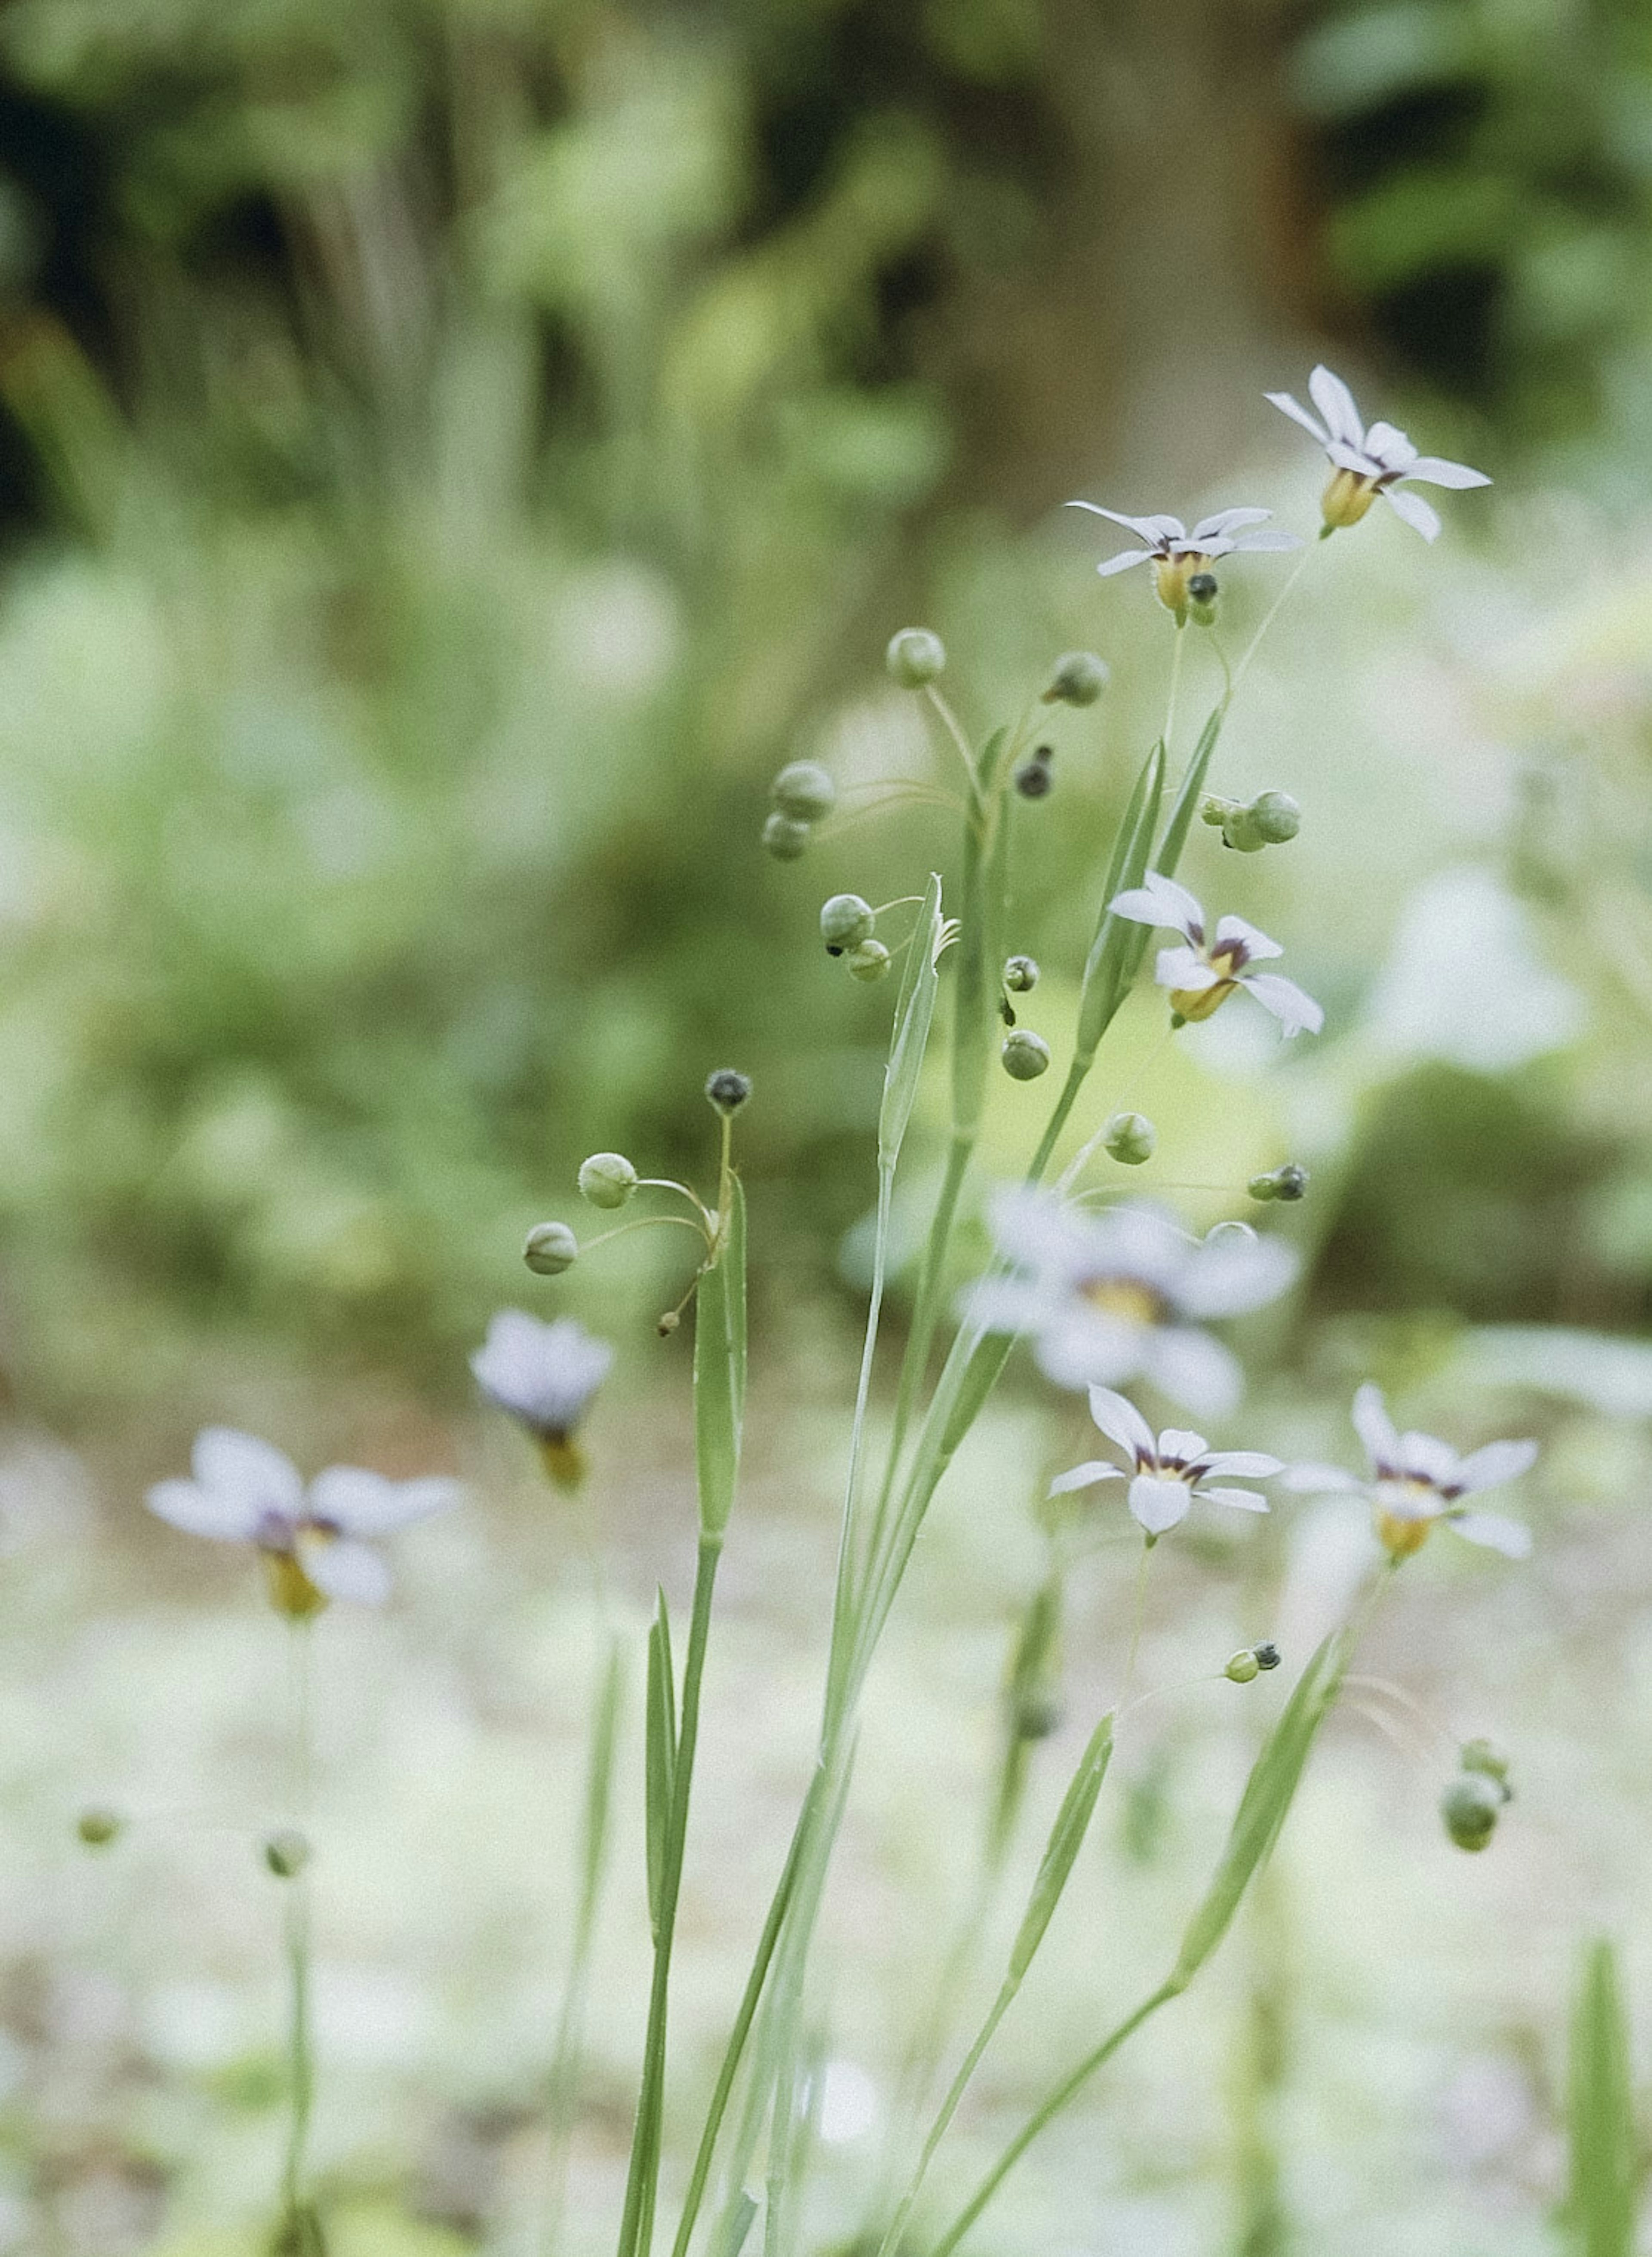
{"type": "Point", "coordinates": [1416, 1481]}
{"type": "Point", "coordinates": [1169, 1472]}
{"type": "Point", "coordinates": [1366, 462]}
{"type": "Point", "coordinates": [315, 1543]}
{"type": "Point", "coordinates": [1201, 975]}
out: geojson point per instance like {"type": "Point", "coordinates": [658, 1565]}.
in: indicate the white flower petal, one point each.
{"type": "Point", "coordinates": [1375, 1428]}
{"type": "Point", "coordinates": [1158, 900]}
{"type": "Point", "coordinates": [1427, 1458]}
{"type": "Point", "coordinates": [1149, 529]}
{"type": "Point", "coordinates": [545, 1375]}
{"type": "Point", "coordinates": [203, 1511]}
{"type": "Point", "coordinates": [1229, 521]}
{"type": "Point", "coordinates": [1084, 1476]}
{"type": "Point", "coordinates": [1415, 511]}
{"type": "Point", "coordinates": [1121, 1422]}
{"type": "Point", "coordinates": [1185, 968]}
{"type": "Point", "coordinates": [1298, 413]}
{"type": "Point", "coordinates": [1159, 1504]}
{"type": "Point", "coordinates": [1336, 403]}
{"type": "Point", "coordinates": [1295, 1010]}
{"type": "Point", "coordinates": [1353, 458]}
{"type": "Point", "coordinates": [1177, 1446]}
{"type": "Point", "coordinates": [1508, 1537]}
{"type": "Point", "coordinates": [344, 1568]}
{"type": "Point", "coordinates": [1006, 1305]}
{"type": "Point", "coordinates": [1123, 561]}
{"type": "Point", "coordinates": [1491, 1467]}
{"type": "Point", "coordinates": [243, 1470]}
{"type": "Point", "coordinates": [1436, 473]}
{"type": "Point", "coordinates": [1260, 544]}
{"type": "Point", "coordinates": [1193, 1369]}
{"type": "Point", "coordinates": [1256, 1465]}
{"type": "Point", "coordinates": [1389, 446]}
{"type": "Point", "coordinates": [1310, 1480]}
{"type": "Point", "coordinates": [364, 1503]}
{"type": "Point", "coordinates": [1082, 1347]}
{"type": "Point", "coordinates": [1235, 1271]}
{"type": "Point", "coordinates": [1242, 1500]}
{"type": "Point", "coordinates": [1257, 944]}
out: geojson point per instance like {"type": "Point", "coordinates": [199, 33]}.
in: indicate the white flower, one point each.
{"type": "Point", "coordinates": [1368, 462]}
{"type": "Point", "coordinates": [545, 1375]}
{"type": "Point", "coordinates": [1416, 1480]}
{"type": "Point", "coordinates": [1178, 554]}
{"type": "Point", "coordinates": [1120, 1295]}
{"type": "Point", "coordinates": [314, 1541]}
{"type": "Point", "coordinates": [1201, 976]}
{"type": "Point", "coordinates": [1167, 1474]}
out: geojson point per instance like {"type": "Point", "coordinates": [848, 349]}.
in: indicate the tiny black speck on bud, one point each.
{"type": "Point", "coordinates": [728, 1090]}
{"type": "Point", "coordinates": [784, 837]}
{"type": "Point", "coordinates": [1077, 678]}
{"type": "Point", "coordinates": [1020, 975]}
{"type": "Point", "coordinates": [1267, 1655]}
{"type": "Point", "coordinates": [915, 657]}
{"type": "Point", "coordinates": [1025, 1055]}
{"type": "Point", "coordinates": [550, 1248]}
{"type": "Point", "coordinates": [98, 1826]}
{"type": "Point", "coordinates": [287, 1853]}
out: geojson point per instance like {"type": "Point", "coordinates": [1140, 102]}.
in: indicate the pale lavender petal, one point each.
{"type": "Point", "coordinates": [1435, 473]}
{"type": "Point", "coordinates": [1138, 905]}
{"type": "Point", "coordinates": [1083, 1346]}
{"type": "Point", "coordinates": [1159, 1504]}
{"type": "Point", "coordinates": [1176, 1445]}
{"type": "Point", "coordinates": [1084, 1476]}
{"type": "Point", "coordinates": [246, 1471]}
{"type": "Point", "coordinates": [1122, 562]}
{"type": "Point", "coordinates": [1296, 1011]}
{"type": "Point", "coordinates": [1415, 511]}
{"type": "Point", "coordinates": [1390, 446]}
{"type": "Point", "coordinates": [1491, 1467]}
{"type": "Point", "coordinates": [1375, 1428]}
{"type": "Point", "coordinates": [1193, 1369]}
{"type": "Point", "coordinates": [1310, 1480]}
{"type": "Point", "coordinates": [1298, 413]}
{"type": "Point", "coordinates": [1508, 1537]}
{"type": "Point", "coordinates": [1183, 968]}
{"type": "Point", "coordinates": [1255, 1465]}
{"type": "Point", "coordinates": [1234, 1271]}
{"type": "Point", "coordinates": [364, 1503]}
{"type": "Point", "coordinates": [1336, 403]}
{"type": "Point", "coordinates": [1006, 1305]}
{"type": "Point", "coordinates": [1274, 543]}
{"type": "Point", "coordinates": [1039, 1231]}
{"type": "Point", "coordinates": [204, 1511]}
{"type": "Point", "coordinates": [1151, 529]}
{"type": "Point", "coordinates": [1242, 1500]}
{"type": "Point", "coordinates": [1158, 900]}
{"type": "Point", "coordinates": [1256, 944]}
{"type": "Point", "coordinates": [1353, 458]}
{"type": "Point", "coordinates": [1429, 1458]}
{"type": "Point", "coordinates": [344, 1568]}
{"type": "Point", "coordinates": [1121, 1422]}
{"type": "Point", "coordinates": [1229, 521]}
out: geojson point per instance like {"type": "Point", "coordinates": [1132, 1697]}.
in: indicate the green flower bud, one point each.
{"type": "Point", "coordinates": [1130, 1138]}
{"type": "Point", "coordinates": [804, 792]}
{"type": "Point", "coordinates": [915, 657]}
{"type": "Point", "coordinates": [784, 837]}
{"type": "Point", "coordinates": [98, 1826]}
{"type": "Point", "coordinates": [1020, 975]}
{"type": "Point", "coordinates": [1239, 831]}
{"type": "Point", "coordinates": [869, 961]}
{"type": "Point", "coordinates": [1216, 810]}
{"type": "Point", "coordinates": [607, 1180]}
{"type": "Point", "coordinates": [551, 1248]}
{"type": "Point", "coordinates": [1470, 1807]}
{"type": "Point", "coordinates": [1025, 1055]}
{"type": "Point", "coordinates": [287, 1853]}
{"type": "Point", "coordinates": [1267, 1655]}
{"type": "Point", "coordinates": [1078, 678]}
{"type": "Point", "coordinates": [845, 921]}
{"type": "Point", "coordinates": [1276, 817]}
{"type": "Point", "coordinates": [1033, 779]}
{"type": "Point", "coordinates": [727, 1091]}
{"type": "Point", "coordinates": [1487, 1757]}
{"type": "Point", "coordinates": [1242, 1666]}
{"type": "Point", "coordinates": [1286, 1184]}
{"type": "Point", "coordinates": [1202, 594]}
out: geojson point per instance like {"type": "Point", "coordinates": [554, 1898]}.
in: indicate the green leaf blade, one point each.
{"type": "Point", "coordinates": [1066, 1839]}
{"type": "Point", "coordinates": [719, 1370]}
{"type": "Point", "coordinates": [1600, 2113]}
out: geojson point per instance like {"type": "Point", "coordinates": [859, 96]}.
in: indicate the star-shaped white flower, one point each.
{"type": "Point", "coordinates": [314, 1541]}
{"type": "Point", "coordinates": [1178, 554]}
{"type": "Point", "coordinates": [1416, 1480]}
{"type": "Point", "coordinates": [1121, 1295]}
{"type": "Point", "coordinates": [544, 1375]}
{"type": "Point", "coordinates": [1166, 1475]}
{"type": "Point", "coordinates": [1203, 974]}
{"type": "Point", "coordinates": [1368, 462]}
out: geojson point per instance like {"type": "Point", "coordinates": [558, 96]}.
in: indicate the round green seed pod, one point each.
{"type": "Point", "coordinates": [868, 961]}
{"type": "Point", "coordinates": [287, 1853]}
{"type": "Point", "coordinates": [1077, 678]}
{"type": "Point", "coordinates": [98, 1826]}
{"type": "Point", "coordinates": [1470, 1807]}
{"type": "Point", "coordinates": [1025, 1055]}
{"type": "Point", "coordinates": [1276, 817]}
{"type": "Point", "coordinates": [550, 1248]}
{"type": "Point", "coordinates": [1130, 1138]}
{"type": "Point", "coordinates": [1242, 1666]}
{"type": "Point", "coordinates": [803, 791]}
{"type": "Point", "coordinates": [784, 837]}
{"type": "Point", "coordinates": [845, 921]}
{"type": "Point", "coordinates": [1020, 975]}
{"type": "Point", "coordinates": [607, 1180]}
{"type": "Point", "coordinates": [915, 657]}
{"type": "Point", "coordinates": [1239, 831]}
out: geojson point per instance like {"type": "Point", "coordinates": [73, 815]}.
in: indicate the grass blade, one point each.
{"type": "Point", "coordinates": [660, 1754]}
{"type": "Point", "coordinates": [1600, 2113]}
{"type": "Point", "coordinates": [1119, 946]}
{"type": "Point", "coordinates": [1188, 795]}
{"type": "Point", "coordinates": [914, 1010]}
{"type": "Point", "coordinates": [1066, 1838]}
{"type": "Point", "coordinates": [719, 1370]}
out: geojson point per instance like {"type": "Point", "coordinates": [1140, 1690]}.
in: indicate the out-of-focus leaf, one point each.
{"type": "Point", "coordinates": [1600, 2114]}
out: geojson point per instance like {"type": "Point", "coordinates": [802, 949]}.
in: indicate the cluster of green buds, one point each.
{"type": "Point", "coordinates": [1271, 819]}
{"type": "Point", "coordinates": [1474, 1802]}
{"type": "Point", "coordinates": [1286, 1184]}
{"type": "Point", "coordinates": [803, 795]}
{"type": "Point", "coordinates": [1025, 1055]}
{"type": "Point", "coordinates": [1251, 1661]}
{"type": "Point", "coordinates": [848, 926]}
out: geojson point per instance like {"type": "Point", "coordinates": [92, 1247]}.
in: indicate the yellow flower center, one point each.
{"type": "Point", "coordinates": [1347, 498]}
{"type": "Point", "coordinates": [1124, 1299]}
{"type": "Point", "coordinates": [1171, 575]}
{"type": "Point", "coordinates": [292, 1592]}
{"type": "Point", "coordinates": [563, 1459]}
{"type": "Point", "coordinates": [1401, 1533]}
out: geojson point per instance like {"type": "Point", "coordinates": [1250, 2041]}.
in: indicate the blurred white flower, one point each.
{"type": "Point", "coordinates": [1369, 463]}
{"type": "Point", "coordinates": [544, 1375]}
{"type": "Point", "coordinates": [1121, 1295]}
{"type": "Point", "coordinates": [1416, 1480]}
{"type": "Point", "coordinates": [1178, 554]}
{"type": "Point", "coordinates": [1167, 1474]}
{"type": "Point", "coordinates": [313, 1542]}
{"type": "Point", "coordinates": [1201, 976]}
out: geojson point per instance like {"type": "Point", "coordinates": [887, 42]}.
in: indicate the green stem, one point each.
{"type": "Point", "coordinates": [642, 2178]}
{"type": "Point", "coordinates": [298, 2233]}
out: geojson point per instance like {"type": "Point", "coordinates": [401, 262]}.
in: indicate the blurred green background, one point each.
{"type": "Point", "coordinates": [451, 454]}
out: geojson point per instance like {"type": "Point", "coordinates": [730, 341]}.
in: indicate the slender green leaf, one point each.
{"type": "Point", "coordinates": [1189, 796]}
{"type": "Point", "coordinates": [719, 1370]}
{"type": "Point", "coordinates": [913, 1012]}
{"type": "Point", "coordinates": [1274, 1780]}
{"type": "Point", "coordinates": [660, 1754]}
{"type": "Point", "coordinates": [1119, 946]}
{"type": "Point", "coordinates": [1066, 1838]}
{"type": "Point", "coordinates": [1601, 2111]}
{"type": "Point", "coordinates": [735, 2225]}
